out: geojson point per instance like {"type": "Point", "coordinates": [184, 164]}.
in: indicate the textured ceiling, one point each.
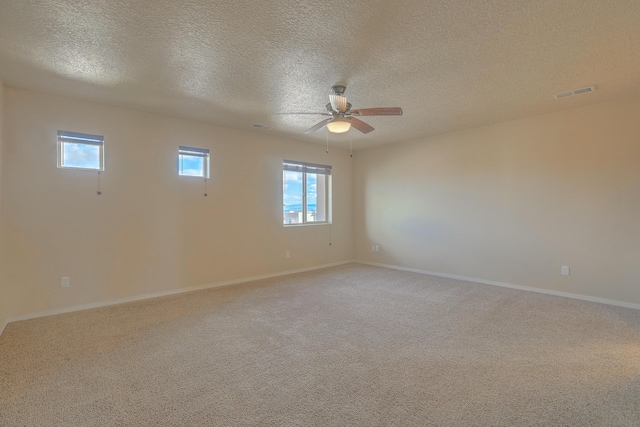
{"type": "Point", "coordinates": [449, 64]}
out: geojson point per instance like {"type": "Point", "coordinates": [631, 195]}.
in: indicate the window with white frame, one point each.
{"type": "Point", "coordinates": [193, 162]}
{"type": "Point", "coordinates": [80, 151]}
{"type": "Point", "coordinates": [306, 189]}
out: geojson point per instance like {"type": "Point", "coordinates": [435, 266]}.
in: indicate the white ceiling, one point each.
{"type": "Point", "coordinates": [449, 64]}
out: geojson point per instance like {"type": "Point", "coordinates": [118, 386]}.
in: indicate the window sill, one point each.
{"type": "Point", "coordinates": [193, 176]}
{"type": "Point", "coordinates": [69, 168]}
{"type": "Point", "coordinates": [306, 224]}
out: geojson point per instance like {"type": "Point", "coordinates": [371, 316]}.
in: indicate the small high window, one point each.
{"type": "Point", "coordinates": [80, 151]}
{"type": "Point", "coordinates": [305, 193]}
{"type": "Point", "coordinates": [193, 162]}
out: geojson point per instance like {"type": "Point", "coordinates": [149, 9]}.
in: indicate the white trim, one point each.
{"type": "Point", "coordinates": [166, 293]}
{"type": "Point", "coordinates": [509, 285]}
{"type": "Point", "coordinates": [81, 141]}
{"type": "Point", "coordinates": [327, 196]}
{"type": "Point", "coordinates": [3, 325]}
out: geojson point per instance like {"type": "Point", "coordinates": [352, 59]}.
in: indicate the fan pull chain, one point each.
{"type": "Point", "coordinates": [327, 140]}
{"type": "Point", "coordinates": [350, 144]}
{"type": "Point", "coordinates": [205, 187]}
{"type": "Point", "coordinates": [99, 187]}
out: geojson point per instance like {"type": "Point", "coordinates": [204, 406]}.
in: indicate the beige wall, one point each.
{"type": "Point", "coordinates": [150, 230]}
{"type": "Point", "coordinates": [4, 305]}
{"type": "Point", "coordinates": [512, 202]}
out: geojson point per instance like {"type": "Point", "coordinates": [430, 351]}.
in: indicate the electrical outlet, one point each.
{"type": "Point", "coordinates": [287, 254]}
{"type": "Point", "coordinates": [377, 248]}
{"type": "Point", "coordinates": [65, 282]}
{"type": "Point", "coordinates": [564, 270]}
{"type": "Point", "coordinates": [373, 248]}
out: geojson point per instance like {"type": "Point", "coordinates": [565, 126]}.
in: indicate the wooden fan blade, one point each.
{"type": "Point", "coordinates": [360, 125]}
{"type": "Point", "coordinates": [316, 114]}
{"type": "Point", "coordinates": [318, 125]}
{"type": "Point", "coordinates": [380, 111]}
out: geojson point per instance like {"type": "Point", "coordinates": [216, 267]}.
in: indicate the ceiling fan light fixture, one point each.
{"type": "Point", "coordinates": [339, 125]}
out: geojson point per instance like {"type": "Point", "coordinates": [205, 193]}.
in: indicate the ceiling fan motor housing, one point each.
{"type": "Point", "coordinates": [338, 89]}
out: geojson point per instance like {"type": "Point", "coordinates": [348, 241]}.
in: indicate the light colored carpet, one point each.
{"type": "Point", "coordinates": [351, 345]}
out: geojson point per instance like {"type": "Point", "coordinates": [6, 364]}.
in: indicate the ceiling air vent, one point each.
{"type": "Point", "coordinates": [259, 126]}
{"type": "Point", "coordinates": [574, 92]}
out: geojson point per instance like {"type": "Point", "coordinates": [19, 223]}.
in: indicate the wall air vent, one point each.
{"type": "Point", "coordinates": [580, 91]}
{"type": "Point", "coordinates": [263, 127]}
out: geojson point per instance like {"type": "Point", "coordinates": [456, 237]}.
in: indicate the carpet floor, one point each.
{"type": "Point", "coordinates": [352, 345]}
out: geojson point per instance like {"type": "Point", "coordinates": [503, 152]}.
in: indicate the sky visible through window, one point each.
{"type": "Point", "coordinates": [292, 196]}
{"type": "Point", "coordinates": [191, 165]}
{"type": "Point", "coordinates": [312, 192]}
{"type": "Point", "coordinates": [78, 155]}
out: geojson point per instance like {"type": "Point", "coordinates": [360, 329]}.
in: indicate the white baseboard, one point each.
{"type": "Point", "coordinates": [509, 285]}
{"type": "Point", "coordinates": [165, 293]}
{"type": "Point", "coordinates": [4, 324]}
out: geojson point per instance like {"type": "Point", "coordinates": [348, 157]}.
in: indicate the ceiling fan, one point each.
{"type": "Point", "coordinates": [341, 117]}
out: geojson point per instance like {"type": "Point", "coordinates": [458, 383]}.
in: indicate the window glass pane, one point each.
{"type": "Point", "coordinates": [312, 196]}
{"type": "Point", "coordinates": [78, 155]}
{"type": "Point", "coordinates": [305, 193]}
{"type": "Point", "coordinates": [321, 198]}
{"type": "Point", "coordinates": [292, 197]}
{"type": "Point", "coordinates": [191, 165]}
